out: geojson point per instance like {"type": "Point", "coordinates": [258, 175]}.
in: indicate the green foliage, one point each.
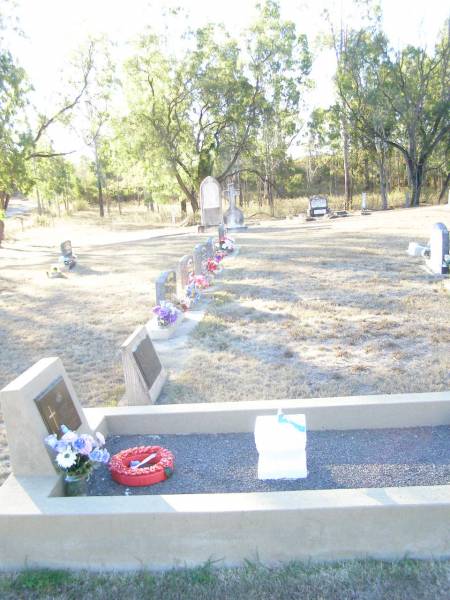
{"type": "Point", "coordinates": [42, 581]}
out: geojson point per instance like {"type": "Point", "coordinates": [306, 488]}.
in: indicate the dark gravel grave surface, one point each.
{"type": "Point", "coordinates": [336, 459]}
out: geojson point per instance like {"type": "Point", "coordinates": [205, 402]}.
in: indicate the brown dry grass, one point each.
{"type": "Point", "coordinates": [316, 309]}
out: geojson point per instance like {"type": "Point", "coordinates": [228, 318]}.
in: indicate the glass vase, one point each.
{"type": "Point", "coordinates": [76, 484]}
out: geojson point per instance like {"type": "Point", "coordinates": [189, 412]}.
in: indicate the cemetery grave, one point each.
{"type": "Point", "coordinates": [169, 529]}
{"type": "Point", "coordinates": [210, 203]}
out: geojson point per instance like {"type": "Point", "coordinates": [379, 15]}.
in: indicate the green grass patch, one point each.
{"type": "Point", "coordinates": [358, 580]}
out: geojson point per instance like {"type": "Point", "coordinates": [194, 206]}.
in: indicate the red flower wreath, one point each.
{"type": "Point", "coordinates": [160, 467]}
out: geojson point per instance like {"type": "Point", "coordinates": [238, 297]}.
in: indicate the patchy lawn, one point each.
{"type": "Point", "coordinates": [355, 580]}
{"type": "Point", "coordinates": [317, 309]}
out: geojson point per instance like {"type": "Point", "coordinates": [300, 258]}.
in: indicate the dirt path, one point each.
{"type": "Point", "coordinates": [306, 309]}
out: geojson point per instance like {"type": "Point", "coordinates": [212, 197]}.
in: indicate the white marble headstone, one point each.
{"type": "Point", "coordinates": [439, 247]}
{"type": "Point", "coordinates": [210, 202]}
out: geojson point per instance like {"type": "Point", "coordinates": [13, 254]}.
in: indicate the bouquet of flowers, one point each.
{"type": "Point", "coordinates": [212, 266]}
{"type": "Point", "coordinates": [166, 314]}
{"type": "Point", "coordinates": [228, 244]}
{"type": "Point", "coordinates": [200, 281]}
{"type": "Point", "coordinates": [191, 296]}
{"type": "Point", "coordinates": [219, 256]}
{"type": "Point", "coordinates": [76, 454]}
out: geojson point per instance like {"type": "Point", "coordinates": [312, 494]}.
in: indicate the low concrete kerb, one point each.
{"type": "Point", "coordinates": [40, 528]}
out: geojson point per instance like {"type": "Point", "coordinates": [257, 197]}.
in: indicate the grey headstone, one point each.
{"type": "Point", "coordinates": [439, 247]}
{"type": "Point", "coordinates": [210, 202]}
{"type": "Point", "coordinates": [233, 216]}
{"type": "Point", "coordinates": [198, 259]}
{"type": "Point", "coordinates": [184, 270]}
{"type": "Point", "coordinates": [66, 249]}
{"type": "Point", "coordinates": [166, 287]}
{"type": "Point", "coordinates": [210, 249]}
{"type": "Point", "coordinates": [318, 206]}
{"type": "Point", "coordinates": [147, 361]}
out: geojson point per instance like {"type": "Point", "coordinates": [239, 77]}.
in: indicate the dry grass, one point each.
{"type": "Point", "coordinates": [316, 309]}
{"type": "Point", "coordinates": [356, 580]}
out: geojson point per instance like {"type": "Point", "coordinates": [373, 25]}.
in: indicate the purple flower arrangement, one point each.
{"type": "Point", "coordinates": [76, 454]}
{"type": "Point", "coordinates": [166, 314]}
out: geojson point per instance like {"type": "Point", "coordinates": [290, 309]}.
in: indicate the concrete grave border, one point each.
{"type": "Point", "coordinates": [39, 528]}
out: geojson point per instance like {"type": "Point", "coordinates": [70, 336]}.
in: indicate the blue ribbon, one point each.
{"type": "Point", "coordinates": [283, 419]}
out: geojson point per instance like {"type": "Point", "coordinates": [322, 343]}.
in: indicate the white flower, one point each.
{"type": "Point", "coordinates": [100, 437]}
{"type": "Point", "coordinates": [66, 459]}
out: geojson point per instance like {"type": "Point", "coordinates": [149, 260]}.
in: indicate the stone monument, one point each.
{"type": "Point", "coordinates": [143, 372]}
{"type": "Point", "coordinates": [185, 270]}
{"type": "Point", "coordinates": [233, 216]}
{"type": "Point", "coordinates": [439, 248]}
{"type": "Point", "coordinates": [210, 202]}
{"type": "Point", "coordinates": [166, 287]}
{"type": "Point", "coordinates": [318, 206]}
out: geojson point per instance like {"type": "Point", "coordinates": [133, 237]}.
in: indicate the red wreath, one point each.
{"type": "Point", "coordinates": [159, 468]}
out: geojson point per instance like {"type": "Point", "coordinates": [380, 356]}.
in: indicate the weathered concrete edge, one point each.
{"type": "Point", "coordinates": [342, 413]}
{"type": "Point", "coordinates": [160, 532]}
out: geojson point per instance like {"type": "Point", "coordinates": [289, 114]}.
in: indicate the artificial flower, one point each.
{"type": "Point", "coordinates": [66, 459]}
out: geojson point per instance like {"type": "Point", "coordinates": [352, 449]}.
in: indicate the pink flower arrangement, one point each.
{"type": "Point", "coordinates": [212, 265]}
{"type": "Point", "coordinates": [201, 282]}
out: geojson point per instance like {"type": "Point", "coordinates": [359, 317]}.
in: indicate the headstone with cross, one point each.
{"type": "Point", "coordinates": [233, 216]}
{"type": "Point", "coordinates": [35, 405]}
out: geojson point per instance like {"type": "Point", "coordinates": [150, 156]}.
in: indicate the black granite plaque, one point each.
{"type": "Point", "coordinates": [57, 408]}
{"type": "Point", "coordinates": [147, 361]}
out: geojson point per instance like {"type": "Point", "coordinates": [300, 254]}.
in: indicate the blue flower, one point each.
{"type": "Point", "coordinates": [60, 446]}
{"type": "Point", "coordinates": [51, 440]}
{"type": "Point", "coordinates": [79, 444]}
{"type": "Point", "coordinates": [99, 455]}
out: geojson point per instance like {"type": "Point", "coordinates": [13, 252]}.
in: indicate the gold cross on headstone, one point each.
{"type": "Point", "coordinates": [51, 416]}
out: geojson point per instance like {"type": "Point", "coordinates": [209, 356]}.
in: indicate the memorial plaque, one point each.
{"type": "Point", "coordinates": [57, 408]}
{"type": "Point", "coordinates": [147, 361]}
{"type": "Point", "coordinates": [318, 205]}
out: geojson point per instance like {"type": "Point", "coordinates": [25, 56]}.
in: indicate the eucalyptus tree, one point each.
{"type": "Point", "coordinates": [201, 109]}
{"type": "Point", "coordinates": [280, 62]}
{"type": "Point", "coordinates": [399, 99]}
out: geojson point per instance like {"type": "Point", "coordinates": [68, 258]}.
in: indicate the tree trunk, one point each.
{"type": "Point", "coordinates": [4, 201]}
{"type": "Point", "coordinates": [347, 179]}
{"type": "Point", "coordinates": [99, 181]}
{"type": "Point", "coordinates": [381, 151]}
{"type": "Point", "coordinates": [415, 175]}
{"type": "Point", "coordinates": [444, 188]}
{"type": "Point", "coordinates": [270, 198]}
{"type": "Point", "coordinates": [366, 174]}
{"type": "Point", "coordinates": [100, 196]}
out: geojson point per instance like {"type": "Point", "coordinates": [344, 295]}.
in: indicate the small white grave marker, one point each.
{"type": "Point", "coordinates": [281, 443]}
